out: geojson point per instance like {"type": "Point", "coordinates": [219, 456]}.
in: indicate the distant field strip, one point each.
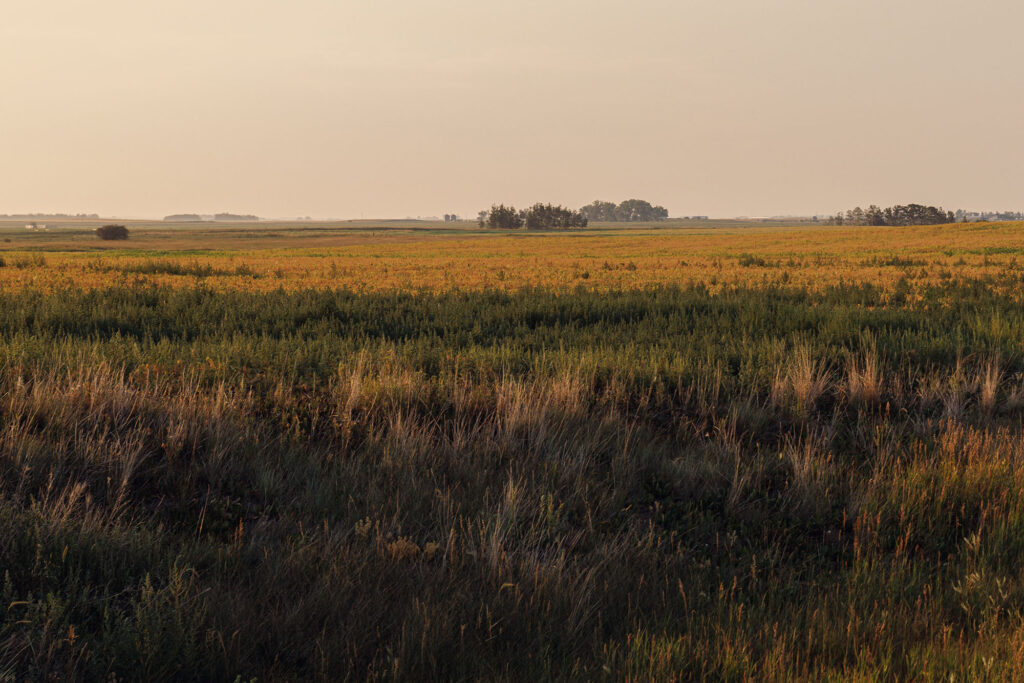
{"type": "Point", "coordinates": [910, 258]}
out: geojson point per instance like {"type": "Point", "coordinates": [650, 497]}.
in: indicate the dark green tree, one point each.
{"type": "Point", "coordinates": [504, 217]}
{"type": "Point", "coordinates": [629, 210]}
{"type": "Point", "coordinates": [640, 210]}
{"type": "Point", "coordinates": [899, 215]}
{"type": "Point", "coordinates": [874, 216]}
{"type": "Point", "coordinates": [547, 216]}
{"type": "Point", "coordinates": [600, 211]}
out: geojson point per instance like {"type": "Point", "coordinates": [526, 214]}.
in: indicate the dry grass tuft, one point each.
{"type": "Point", "coordinates": [864, 379]}
{"type": "Point", "coordinates": [989, 378]}
{"type": "Point", "coordinates": [812, 472]}
{"type": "Point", "coordinates": [806, 379]}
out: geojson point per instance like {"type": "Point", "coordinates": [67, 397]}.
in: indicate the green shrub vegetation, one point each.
{"type": "Point", "coordinates": [172, 267]}
{"type": "Point", "coordinates": [537, 217]}
{"type": "Point", "coordinates": [754, 483]}
{"type": "Point", "coordinates": [112, 232]}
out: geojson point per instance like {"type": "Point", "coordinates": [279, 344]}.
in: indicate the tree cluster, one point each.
{"type": "Point", "coordinates": [901, 214]}
{"type": "Point", "coordinates": [629, 210]}
{"type": "Point", "coordinates": [537, 217]}
{"type": "Point", "coordinates": [450, 217]}
{"type": "Point", "coordinates": [541, 216]}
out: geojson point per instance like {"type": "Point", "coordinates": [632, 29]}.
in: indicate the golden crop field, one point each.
{"type": "Point", "coordinates": [441, 260]}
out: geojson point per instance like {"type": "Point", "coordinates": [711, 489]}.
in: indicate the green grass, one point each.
{"type": "Point", "coordinates": [169, 267]}
{"type": "Point", "coordinates": [663, 483]}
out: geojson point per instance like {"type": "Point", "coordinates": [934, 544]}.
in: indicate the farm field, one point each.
{"type": "Point", "coordinates": [413, 452]}
{"type": "Point", "coordinates": [435, 257]}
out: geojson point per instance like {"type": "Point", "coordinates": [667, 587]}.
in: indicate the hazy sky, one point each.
{"type": "Point", "coordinates": [405, 107]}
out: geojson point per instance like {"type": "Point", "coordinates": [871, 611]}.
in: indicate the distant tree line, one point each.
{"type": "Point", "coordinates": [19, 216]}
{"type": "Point", "coordinates": [628, 211]}
{"type": "Point", "coordinates": [234, 217]}
{"type": "Point", "coordinates": [988, 216]}
{"type": "Point", "coordinates": [549, 216]}
{"type": "Point", "coordinates": [901, 214]}
{"type": "Point", "coordinates": [195, 217]}
{"type": "Point", "coordinates": [537, 217]}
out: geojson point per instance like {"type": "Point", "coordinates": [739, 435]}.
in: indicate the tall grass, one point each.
{"type": "Point", "coordinates": [643, 484]}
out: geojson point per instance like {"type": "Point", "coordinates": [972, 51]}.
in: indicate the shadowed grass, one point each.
{"type": "Point", "coordinates": [648, 484]}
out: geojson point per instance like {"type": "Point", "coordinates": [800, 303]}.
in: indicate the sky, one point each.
{"type": "Point", "coordinates": [394, 108]}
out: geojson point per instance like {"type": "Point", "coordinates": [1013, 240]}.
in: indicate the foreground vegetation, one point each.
{"type": "Point", "coordinates": [752, 479]}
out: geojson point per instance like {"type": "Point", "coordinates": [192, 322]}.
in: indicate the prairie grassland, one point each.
{"type": "Point", "coordinates": [912, 258]}
{"type": "Point", "coordinates": [204, 478]}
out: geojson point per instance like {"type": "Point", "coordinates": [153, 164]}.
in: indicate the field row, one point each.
{"type": "Point", "coordinates": [906, 257]}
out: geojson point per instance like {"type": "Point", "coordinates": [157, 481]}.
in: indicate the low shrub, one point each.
{"type": "Point", "coordinates": [112, 232]}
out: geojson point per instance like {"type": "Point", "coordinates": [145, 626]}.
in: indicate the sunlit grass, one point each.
{"type": "Point", "coordinates": [906, 258]}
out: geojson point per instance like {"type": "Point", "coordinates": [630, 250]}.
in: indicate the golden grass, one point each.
{"type": "Point", "coordinates": [864, 379]}
{"type": "Point", "coordinates": [911, 258]}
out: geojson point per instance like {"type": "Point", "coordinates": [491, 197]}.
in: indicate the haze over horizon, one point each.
{"type": "Point", "coordinates": [399, 108]}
